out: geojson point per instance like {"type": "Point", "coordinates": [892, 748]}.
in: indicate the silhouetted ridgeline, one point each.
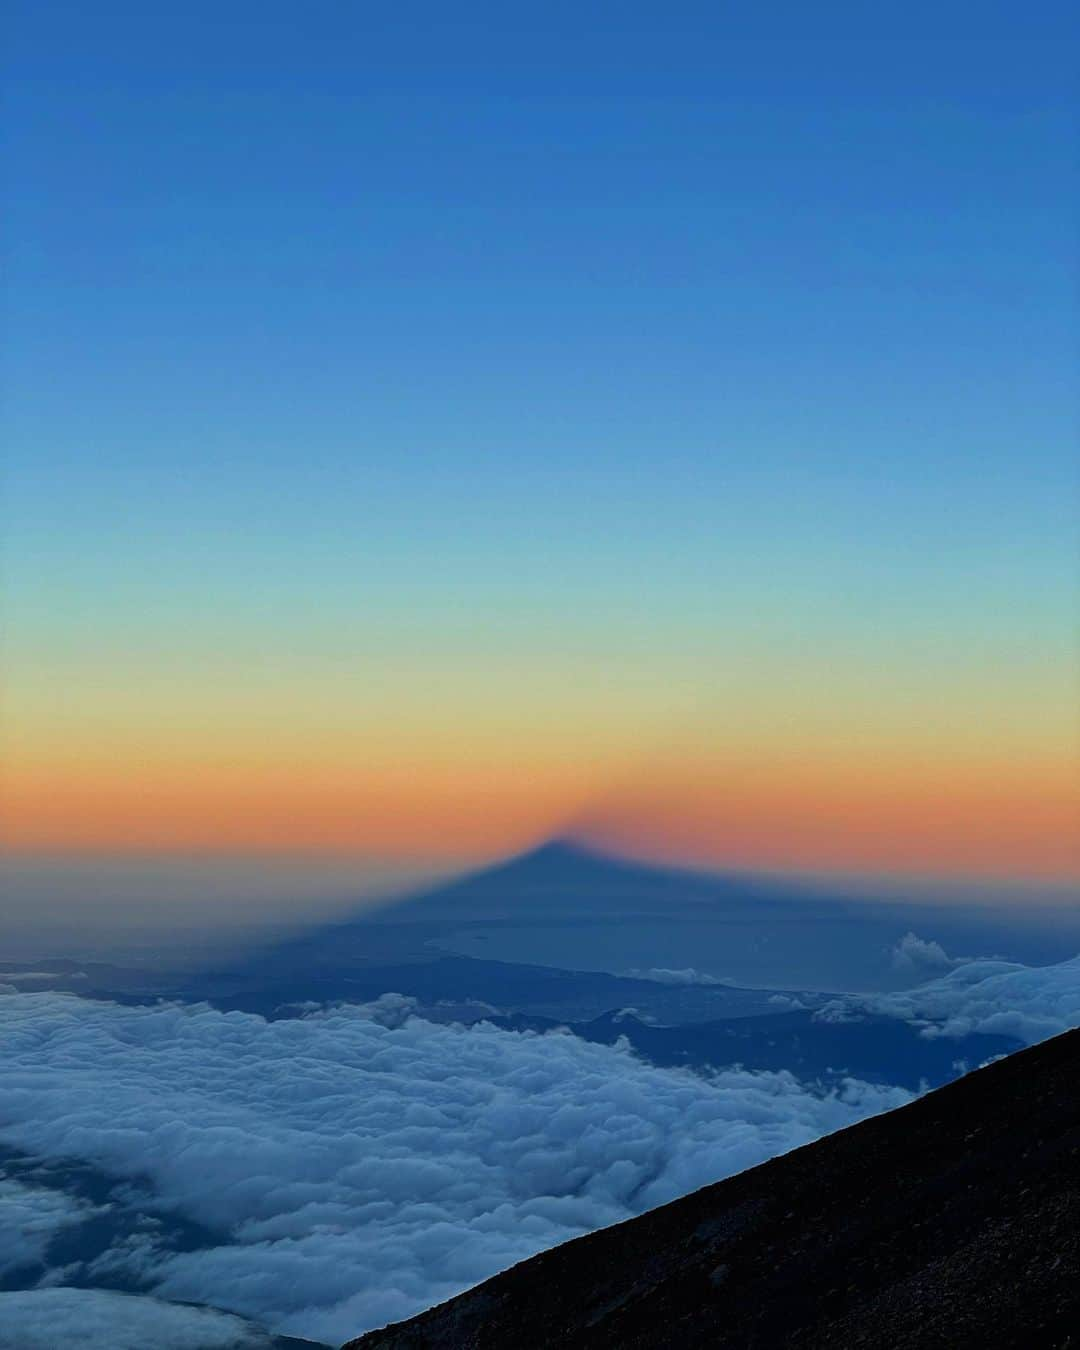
{"type": "Point", "coordinates": [949, 1223]}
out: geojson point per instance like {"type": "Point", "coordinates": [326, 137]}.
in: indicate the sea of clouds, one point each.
{"type": "Point", "coordinates": [30, 1217]}
{"type": "Point", "coordinates": [101, 1319]}
{"type": "Point", "coordinates": [359, 1163]}
{"type": "Point", "coordinates": [993, 997]}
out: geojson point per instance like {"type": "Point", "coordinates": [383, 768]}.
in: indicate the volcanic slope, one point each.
{"type": "Point", "coordinates": [952, 1222]}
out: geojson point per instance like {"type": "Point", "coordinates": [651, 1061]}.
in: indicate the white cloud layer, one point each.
{"type": "Point", "coordinates": [41, 976]}
{"type": "Point", "coordinates": [662, 975]}
{"type": "Point", "coordinates": [1000, 998]}
{"type": "Point", "coordinates": [363, 1163]}
{"type": "Point", "coordinates": [30, 1217]}
{"type": "Point", "coordinates": [788, 1002]}
{"type": "Point", "coordinates": [97, 1319]}
{"type": "Point", "coordinates": [922, 956]}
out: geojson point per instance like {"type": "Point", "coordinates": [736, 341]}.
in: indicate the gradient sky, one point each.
{"type": "Point", "coordinates": [428, 429]}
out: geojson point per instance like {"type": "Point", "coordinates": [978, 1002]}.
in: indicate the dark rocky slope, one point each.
{"type": "Point", "coordinates": [950, 1223]}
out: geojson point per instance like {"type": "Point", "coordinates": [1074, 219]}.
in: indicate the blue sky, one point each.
{"type": "Point", "coordinates": [439, 332]}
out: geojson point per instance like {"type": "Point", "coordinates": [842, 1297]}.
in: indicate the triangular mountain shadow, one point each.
{"type": "Point", "coordinates": [561, 880]}
{"type": "Point", "coordinates": [565, 877]}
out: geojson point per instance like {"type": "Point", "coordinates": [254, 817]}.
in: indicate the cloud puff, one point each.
{"type": "Point", "coordinates": [661, 975]}
{"type": "Point", "coordinates": [30, 1217]}
{"type": "Point", "coordinates": [360, 1164]}
{"type": "Point", "coordinates": [994, 997]}
{"type": "Point", "coordinates": [920, 955]}
{"type": "Point", "coordinates": [788, 1001]}
{"type": "Point", "coordinates": [98, 1319]}
{"type": "Point", "coordinates": [39, 976]}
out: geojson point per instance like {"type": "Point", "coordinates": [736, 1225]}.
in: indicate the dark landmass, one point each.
{"type": "Point", "coordinates": [447, 988]}
{"type": "Point", "coordinates": [455, 984]}
{"type": "Point", "coordinates": [875, 1049]}
{"type": "Point", "coordinates": [953, 1222]}
{"type": "Point", "coordinates": [710, 1027]}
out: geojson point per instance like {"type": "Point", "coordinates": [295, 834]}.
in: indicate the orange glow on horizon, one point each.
{"type": "Point", "coordinates": [438, 813]}
{"type": "Point", "coordinates": [891, 812]}
{"type": "Point", "coordinates": [906, 815]}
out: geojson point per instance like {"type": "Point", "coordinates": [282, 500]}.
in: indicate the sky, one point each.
{"type": "Point", "coordinates": [430, 428]}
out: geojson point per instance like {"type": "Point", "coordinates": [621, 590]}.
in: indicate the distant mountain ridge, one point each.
{"type": "Point", "coordinates": [950, 1223]}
